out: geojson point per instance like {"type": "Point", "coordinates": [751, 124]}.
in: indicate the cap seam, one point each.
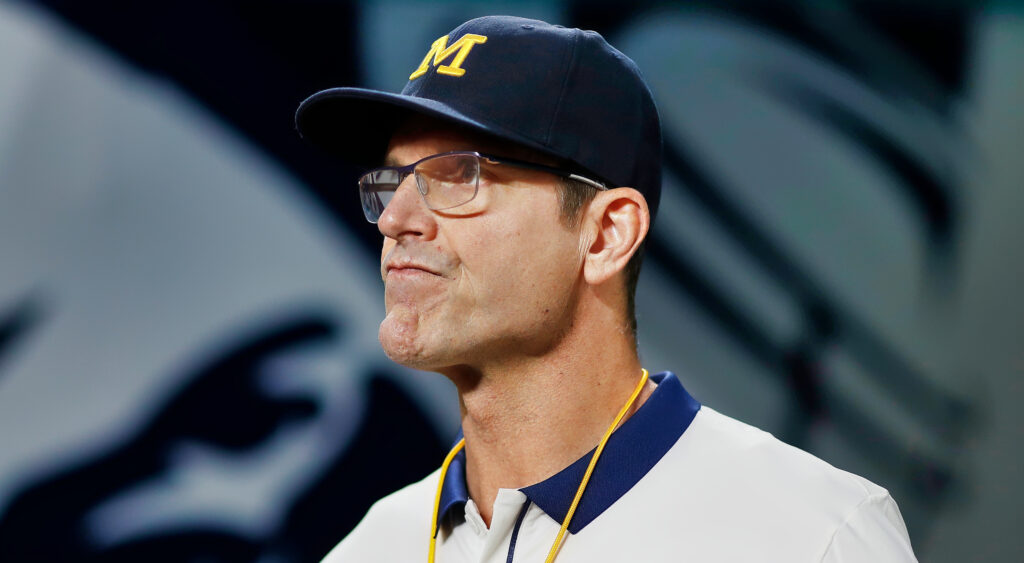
{"type": "Point", "coordinates": [565, 81]}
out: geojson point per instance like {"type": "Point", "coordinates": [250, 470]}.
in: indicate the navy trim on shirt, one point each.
{"type": "Point", "coordinates": [636, 447]}
{"type": "Point", "coordinates": [515, 533]}
{"type": "Point", "coordinates": [455, 492]}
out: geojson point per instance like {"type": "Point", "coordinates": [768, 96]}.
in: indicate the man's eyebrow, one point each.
{"type": "Point", "coordinates": [391, 161]}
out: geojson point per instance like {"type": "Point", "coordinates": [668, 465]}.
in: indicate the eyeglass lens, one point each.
{"type": "Point", "coordinates": [445, 181]}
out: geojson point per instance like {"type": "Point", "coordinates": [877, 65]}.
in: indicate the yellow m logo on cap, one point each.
{"type": "Point", "coordinates": [439, 51]}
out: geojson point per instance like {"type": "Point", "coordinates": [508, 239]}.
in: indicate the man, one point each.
{"type": "Point", "coordinates": [521, 174]}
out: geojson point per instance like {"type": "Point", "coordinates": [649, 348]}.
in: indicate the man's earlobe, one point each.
{"type": "Point", "coordinates": [621, 219]}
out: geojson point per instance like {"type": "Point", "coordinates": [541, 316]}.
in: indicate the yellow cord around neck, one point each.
{"type": "Point", "coordinates": [560, 538]}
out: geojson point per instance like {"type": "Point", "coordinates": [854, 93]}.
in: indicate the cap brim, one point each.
{"type": "Point", "coordinates": [357, 124]}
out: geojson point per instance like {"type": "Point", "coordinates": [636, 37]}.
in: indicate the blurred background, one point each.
{"type": "Point", "coordinates": [189, 295]}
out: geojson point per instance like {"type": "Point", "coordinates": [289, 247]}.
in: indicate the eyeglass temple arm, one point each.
{"type": "Point", "coordinates": [587, 181]}
{"type": "Point", "coordinates": [545, 168]}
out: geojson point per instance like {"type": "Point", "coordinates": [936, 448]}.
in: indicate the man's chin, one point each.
{"type": "Point", "coordinates": [401, 340]}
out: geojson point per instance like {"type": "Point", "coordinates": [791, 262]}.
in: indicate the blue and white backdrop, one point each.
{"type": "Point", "coordinates": [189, 297]}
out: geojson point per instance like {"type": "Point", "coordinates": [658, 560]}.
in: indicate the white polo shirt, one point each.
{"type": "Point", "coordinates": [676, 482]}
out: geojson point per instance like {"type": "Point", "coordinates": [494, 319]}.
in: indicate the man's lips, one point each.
{"type": "Point", "coordinates": [407, 269]}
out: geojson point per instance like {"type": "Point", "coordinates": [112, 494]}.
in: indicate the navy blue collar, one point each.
{"type": "Point", "coordinates": [630, 453]}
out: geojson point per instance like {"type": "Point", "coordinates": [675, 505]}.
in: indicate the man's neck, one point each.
{"type": "Point", "coordinates": [523, 425]}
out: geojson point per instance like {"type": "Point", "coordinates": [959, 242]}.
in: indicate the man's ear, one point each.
{"type": "Point", "coordinates": [620, 219]}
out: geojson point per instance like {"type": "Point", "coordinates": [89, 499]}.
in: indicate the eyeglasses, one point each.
{"type": "Point", "coordinates": [445, 180]}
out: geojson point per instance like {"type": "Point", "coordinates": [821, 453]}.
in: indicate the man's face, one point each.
{"type": "Point", "coordinates": [485, 283]}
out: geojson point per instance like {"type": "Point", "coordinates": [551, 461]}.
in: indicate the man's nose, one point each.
{"type": "Point", "coordinates": [407, 214]}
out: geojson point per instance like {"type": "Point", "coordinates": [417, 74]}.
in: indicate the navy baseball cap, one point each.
{"type": "Point", "coordinates": [564, 92]}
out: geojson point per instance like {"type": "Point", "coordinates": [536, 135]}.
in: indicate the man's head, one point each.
{"type": "Point", "coordinates": [517, 89]}
{"type": "Point", "coordinates": [506, 273]}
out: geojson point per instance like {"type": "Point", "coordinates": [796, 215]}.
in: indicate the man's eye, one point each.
{"type": "Point", "coordinates": [461, 171]}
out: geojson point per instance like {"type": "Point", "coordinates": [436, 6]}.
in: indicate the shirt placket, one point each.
{"type": "Point", "coordinates": [495, 540]}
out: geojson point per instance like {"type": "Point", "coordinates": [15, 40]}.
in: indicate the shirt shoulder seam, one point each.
{"type": "Point", "coordinates": [846, 521]}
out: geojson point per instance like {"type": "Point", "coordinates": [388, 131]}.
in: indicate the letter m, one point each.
{"type": "Point", "coordinates": [439, 51]}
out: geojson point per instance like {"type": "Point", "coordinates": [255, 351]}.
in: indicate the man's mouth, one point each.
{"type": "Point", "coordinates": [407, 269]}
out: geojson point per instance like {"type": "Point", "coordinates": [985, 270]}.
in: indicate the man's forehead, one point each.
{"type": "Point", "coordinates": [426, 133]}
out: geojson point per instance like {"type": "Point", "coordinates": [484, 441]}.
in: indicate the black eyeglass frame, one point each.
{"type": "Point", "coordinates": [410, 169]}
